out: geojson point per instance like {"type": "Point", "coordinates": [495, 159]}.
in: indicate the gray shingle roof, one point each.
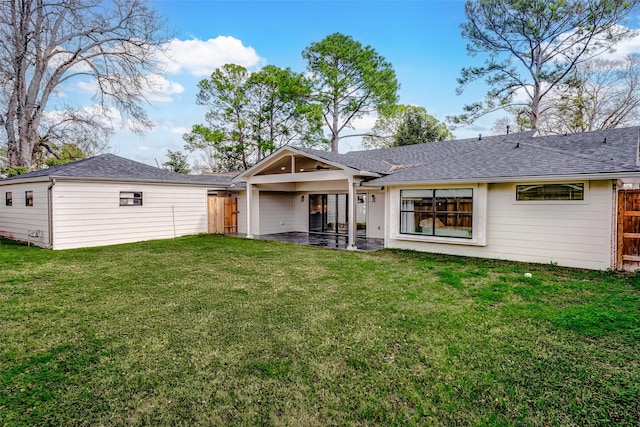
{"type": "Point", "coordinates": [359, 162]}
{"type": "Point", "coordinates": [499, 157]}
{"type": "Point", "coordinates": [112, 167]}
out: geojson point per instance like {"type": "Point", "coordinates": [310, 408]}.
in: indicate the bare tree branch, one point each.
{"type": "Point", "coordinates": [45, 43]}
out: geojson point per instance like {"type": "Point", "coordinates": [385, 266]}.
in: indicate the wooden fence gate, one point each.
{"type": "Point", "coordinates": [223, 215]}
{"type": "Point", "coordinates": [628, 248]}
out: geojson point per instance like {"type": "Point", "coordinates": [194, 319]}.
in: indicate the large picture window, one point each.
{"type": "Point", "coordinates": [550, 192]}
{"type": "Point", "coordinates": [130, 198]}
{"type": "Point", "coordinates": [437, 212]}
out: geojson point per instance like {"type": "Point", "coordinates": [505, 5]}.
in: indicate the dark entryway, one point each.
{"type": "Point", "coordinates": [329, 214]}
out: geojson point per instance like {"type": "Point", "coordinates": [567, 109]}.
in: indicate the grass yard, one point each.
{"type": "Point", "coordinates": [213, 330]}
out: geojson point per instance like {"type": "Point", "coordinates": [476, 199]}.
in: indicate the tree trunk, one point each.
{"type": "Point", "coordinates": [335, 133]}
{"type": "Point", "coordinates": [535, 105]}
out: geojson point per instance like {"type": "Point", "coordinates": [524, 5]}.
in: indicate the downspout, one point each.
{"type": "Point", "coordinates": [50, 211]}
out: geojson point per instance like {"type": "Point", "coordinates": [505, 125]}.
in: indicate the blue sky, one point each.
{"type": "Point", "coordinates": [420, 38]}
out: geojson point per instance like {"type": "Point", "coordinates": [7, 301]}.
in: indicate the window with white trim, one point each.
{"type": "Point", "coordinates": [130, 198]}
{"type": "Point", "coordinates": [437, 212]}
{"type": "Point", "coordinates": [8, 198]}
{"type": "Point", "coordinates": [540, 192]}
{"type": "Point", "coordinates": [28, 198]}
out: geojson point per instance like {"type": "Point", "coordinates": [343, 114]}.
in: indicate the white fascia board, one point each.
{"type": "Point", "coordinates": [27, 180]}
{"type": "Point", "coordinates": [496, 180]}
{"type": "Point", "coordinates": [299, 177]}
{"type": "Point", "coordinates": [249, 174]}
{"type": "Point", "coordinates": [113, 180]}
{"type": "Point", "coordinates": [242, 177]}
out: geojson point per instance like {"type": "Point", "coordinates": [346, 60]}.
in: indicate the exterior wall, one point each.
{"type": "Point", "coordinates": [242, 212]}
{"type": "Point", "coordinates": [276, 213]}
{"type": "Point", "coordinates": [25, 223]}
{"type": "Point", "coordinates": [375, 216]}
{"type": "Point", "coordinates": [317, 187]}
{"type": "Point", "coordinates": [301, 213]}
{"type": "Point", "coordinates": [89, 214]}
{"type": "Point", "coordinates": [572, 234]}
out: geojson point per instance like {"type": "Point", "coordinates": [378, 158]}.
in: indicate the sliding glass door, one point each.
{"type": "Point", "coordinates": [329, 213]}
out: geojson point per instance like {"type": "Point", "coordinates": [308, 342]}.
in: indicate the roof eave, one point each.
{"type": "Point", "coordinates": [244, 176]}
{"type": "Point", "coordinates": [46, 178]}
{"type": "Point", "coordinates": [498, 180]}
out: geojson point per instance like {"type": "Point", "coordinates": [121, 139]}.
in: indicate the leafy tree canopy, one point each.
{"type": "Point", "coordinates": [252, 114]}
{"type": "Point", "coordinates": [177, 162]}
{"type": "Point", "coordinates": [407, 125]}
{"type": "Point", "coordinates": [350, 81]}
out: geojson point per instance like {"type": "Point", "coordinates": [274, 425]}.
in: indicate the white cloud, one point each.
{"type": "Point", "coordinates": [89, 87]}
{"type": "Point", "coordinates": [156, 88]}
{"type": "Point", "coordinates": [201, 57]}
{"type": "Point", "coordinates": [160, 89]}
{"type": "Point", "coordinates": [180, 130]}
{"type": "Point", "coordinates": [143, 148]}
{"type": "Point", "coordinates": [365, 122]}
{"type": "Point", "coordinates": [626, 47]}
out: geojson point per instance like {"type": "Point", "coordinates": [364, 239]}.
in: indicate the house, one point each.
{"type": "Point", "coordinates": [546, 199]}
{"type": "Point", "coordinates": [104, 200]}
{"type": "Point", "coordinates": [570, 200]}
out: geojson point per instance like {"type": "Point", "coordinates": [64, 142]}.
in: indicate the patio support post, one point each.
{"type": "Point", "coordinates": [249, 210]}
{"type": "Point", "coordinates": [353, 225]}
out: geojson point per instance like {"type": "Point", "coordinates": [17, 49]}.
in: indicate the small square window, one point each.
{"type": "Point", "coordinates": [28, 198]}
{"type": "Point", "coordinates": [8, 198]}
{"type": "Point", "coordinates": [130, 198]}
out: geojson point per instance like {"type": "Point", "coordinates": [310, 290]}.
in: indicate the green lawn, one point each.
{"type": "Point", "coordinates": [215, 330]}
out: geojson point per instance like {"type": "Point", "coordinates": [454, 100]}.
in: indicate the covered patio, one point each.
{"type": "Point", "coordinates": [299, 196]}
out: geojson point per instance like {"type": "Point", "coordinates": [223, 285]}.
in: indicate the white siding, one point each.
{"type": "Point", "coordinates": [320, 187]}
{"type": "Point", "coordinates": [375, 216]}
{"type": "Point", "coordinates": [276, 213]}
{"type": "Point", "coordinates": [301, 213]}
{"type": "Point", "coordinates": [573, 234]}
{"type": "Point", "coordinates": [242, 212]}
{"type": "Point", "coordinates": [89, 214]}
{"type": "Point", "coordinates": [18, 221]}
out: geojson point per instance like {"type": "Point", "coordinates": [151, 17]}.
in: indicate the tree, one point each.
{"type": "Point", "coordinates": [227, 130]}
{"type": "Point", "coordinates": [598, 94]}
{"type": "Point", "coordinates": [350, 81]}
{"type": "Point", "coordinates": [66, 153]}
{"type": "Point", "coordinates": [516, 121]}
{"type": "Point", "coordinates": [177, 162]}
{"type": "Point", "coordinates": [280, 111]}
{"type": "Point", "coordinates": [407, 125]}
{"type": "Point", "coordinates": [533, 45]}
{"type": "Point", "coordinates": [251, 115]}
{"type": "Point", "coordinates": [45, 44]}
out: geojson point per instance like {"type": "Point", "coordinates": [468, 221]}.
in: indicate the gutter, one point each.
{"type": "Point", "coordinates": [496, 180]}
{"type": "Point", "coordinates": [45, 178]}
{"type": "Point", "coordinates": [50, 211]}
